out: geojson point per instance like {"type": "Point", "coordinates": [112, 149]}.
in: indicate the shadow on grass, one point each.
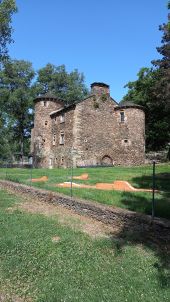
{"type": "Point", "coordinates": [152, 236]}
{"type": "Point", "coordinates": [142, 202]}
{"type": "Point", "coordinates": [162, 181]}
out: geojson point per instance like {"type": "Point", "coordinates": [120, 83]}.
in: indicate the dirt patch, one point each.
{"type": "Point", "coordinates": [92, 227]}
{"type": "Point", "coordinates": [84, 176]}
{"type": "Point", "coordinates": [12, 298]}
{"type": "Point", "coordinates": [56, 239]}
{"type": "Point", "coordinates": [117, 185]}
{"type": "Point", "coordinates": [43, 178]}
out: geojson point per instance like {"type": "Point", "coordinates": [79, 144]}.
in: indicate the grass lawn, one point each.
{"type": "Point", "coordinates": [140, 177]}
{"type": "Point", "coordinates": [77, 267]}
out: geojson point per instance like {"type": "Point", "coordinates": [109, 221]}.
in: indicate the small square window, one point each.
{"type": "Point", "coordinates": [62, 139]}
{"type": "Point", "coordinates": [46, 123]}
{"type": "Point", "coordinates": [122, 116]}
{"type": "Point", "coordinates": [54, 139]}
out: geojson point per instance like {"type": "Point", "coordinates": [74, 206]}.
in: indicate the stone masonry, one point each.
{"type": "Point", "coordinates": [95, 131]}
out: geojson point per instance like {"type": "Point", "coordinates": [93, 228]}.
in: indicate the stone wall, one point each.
{"type": "Point", "coordinates": [62, 124]}
{"type": "Point", "coordinates": [96, 130]}
{"type": "Point", "coordinates": [101, 137]}
{"type": "Point", "coordinates": [107, 214]}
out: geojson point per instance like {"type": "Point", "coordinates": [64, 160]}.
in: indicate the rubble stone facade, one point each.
{"type": "Point", "coordinates": [95, 131]}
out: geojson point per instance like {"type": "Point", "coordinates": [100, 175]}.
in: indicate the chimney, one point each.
{"type": "Point", "coordinates": [100, 88]}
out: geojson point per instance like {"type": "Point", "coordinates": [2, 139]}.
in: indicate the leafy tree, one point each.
{"type": "Point", "coordinates": [152, 90]}
{"type": "Point", "coordinates": [7, 9]}
{"type": "Point", "coordinates": [16, 95]}
{"type": "Point", "coordinates": [67, 86]}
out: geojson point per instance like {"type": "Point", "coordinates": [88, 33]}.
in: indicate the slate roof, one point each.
{"type": "Point", "coordinates": [128, 104]}
{"type": "Point", "coordinates": [48, 95]}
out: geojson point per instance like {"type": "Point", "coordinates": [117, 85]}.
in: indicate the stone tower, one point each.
{"type": "Point", "coordinates": [41, 136]}
{"type": "Point", "coordinates": [130, 138]}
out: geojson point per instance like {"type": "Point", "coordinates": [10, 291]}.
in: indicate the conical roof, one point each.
{"type": "Point", "coordinates": [128, 104]}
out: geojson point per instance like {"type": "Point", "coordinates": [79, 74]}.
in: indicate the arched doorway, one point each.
{"type": "Point", "coordinates": [106, 160]}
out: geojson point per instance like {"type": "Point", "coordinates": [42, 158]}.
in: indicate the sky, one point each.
{"type": "Point", "coordinates": [109, 41]}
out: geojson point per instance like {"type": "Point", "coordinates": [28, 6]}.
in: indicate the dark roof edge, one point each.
{"type": "Point", "coordinates": [99, 84]}
{"type": "Point", "coordinates": [65, 108]}
{"type": "Point", "coordinates": [44, 97]}
{"type": "Point", "coordinates": [129, 106]}
{"type": "Point", "coordinates": [114, 101]}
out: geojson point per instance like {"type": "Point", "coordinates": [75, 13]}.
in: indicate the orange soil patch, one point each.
{"type": "Point", "coordinates": [118, 185]}
{"type": "Point", "coordinates": [84, 176]}
{"type": "Point", "coordinates": [43, 178]}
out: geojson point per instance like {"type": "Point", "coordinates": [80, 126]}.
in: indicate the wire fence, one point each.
{"type": "Point", "coordinates": [136, 188]}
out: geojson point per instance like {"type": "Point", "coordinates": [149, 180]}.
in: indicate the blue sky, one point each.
{"type": "Point", "coordinates": [109, 41]}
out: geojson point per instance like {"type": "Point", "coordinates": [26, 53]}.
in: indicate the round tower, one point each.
{"type": "Point", "coordinates": [131, 134]}
{"type": "Point", "coordinates": [41, 139]}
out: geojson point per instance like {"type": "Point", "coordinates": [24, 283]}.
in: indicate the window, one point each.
{"type": "Point", "coordinates": [62, 139]}
{"type": "Point", "coordinates": [62, 160]}
{"type": "Point", "coordinates": [46, 123]}
{"type": "Point", "coordinates": [45, 103]}
{"type": "Point", "coordinates": [125, 141]}
{"type": "Point", "coordinates": [54, 139]}
{"type": "Point", "coordinates": [62, 118]}
{"type": "Point", "coordinates": [122, 116]}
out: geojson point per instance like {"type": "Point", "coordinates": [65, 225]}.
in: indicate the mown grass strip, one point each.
{"type": "Point", "coordinates": [75, 268]}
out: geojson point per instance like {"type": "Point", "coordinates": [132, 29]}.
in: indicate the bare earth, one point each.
{"type": "Point", "coordinates": [92, 227]}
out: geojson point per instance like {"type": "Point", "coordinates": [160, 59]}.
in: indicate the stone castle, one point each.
{"type": "Point", "coordinates": [95, 131]}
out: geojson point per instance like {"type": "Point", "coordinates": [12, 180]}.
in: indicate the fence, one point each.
{"type": "Point", "coordinates": [144, 189]}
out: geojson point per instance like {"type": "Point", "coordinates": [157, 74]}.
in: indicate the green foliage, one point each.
{"type": "Point", "coordinates": [7, 9]}
{"type": "Point", "coordinates": [16, 100]}
{"type": "Point", "coordinates": [69, 87]}
{"type": "Point", "coordinates": [152, 90]}
{"type": "Point", "coordinates": [96, 105]}
{"type": "Point", "coordinates": [104, 97]}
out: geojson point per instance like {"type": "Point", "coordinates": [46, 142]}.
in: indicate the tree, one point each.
{"type": "Point", "coordinates": [67, 86]}
{"type": "Point", "coordinates": [163, 64]}
{"type": "Point", "coordinates": [152, 90]}
{"type": "Point", "coordinates": [7, 9]}
{"type": "Point", "coordinates": [16, 96]}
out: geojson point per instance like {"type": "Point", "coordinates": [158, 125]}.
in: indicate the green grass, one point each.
{"type": "Point", "coordinates": [76, 268]}
{"type": "Point", "coordinates": [140, 177]}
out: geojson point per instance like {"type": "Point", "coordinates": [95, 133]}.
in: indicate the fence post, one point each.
{"type": "Point", "coordinates": [71, 185]}
{"type": "Point", "coordinates": [6, 171]}
{"type": "Point", "coordinates": [153, 191]}
{"type": "Point", "coordinates": [31, 167]}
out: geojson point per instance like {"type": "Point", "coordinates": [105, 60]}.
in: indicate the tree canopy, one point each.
{"type": "Point", "coordinates": [67, 86]}
{"type": "Point", "coordinates": [16, 101]}
{"type": "Point", "coordinates": [152, 90]}
{"type": "Point", "coordinates": [7, 9]}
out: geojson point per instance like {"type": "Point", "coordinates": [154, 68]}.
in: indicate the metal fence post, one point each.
{"type": "Point", "coordinates": [153, 191]}
{"type": "Point", "coordinates": [6, 171]}
{"type": "Point", "coordinates": [71, 185]}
